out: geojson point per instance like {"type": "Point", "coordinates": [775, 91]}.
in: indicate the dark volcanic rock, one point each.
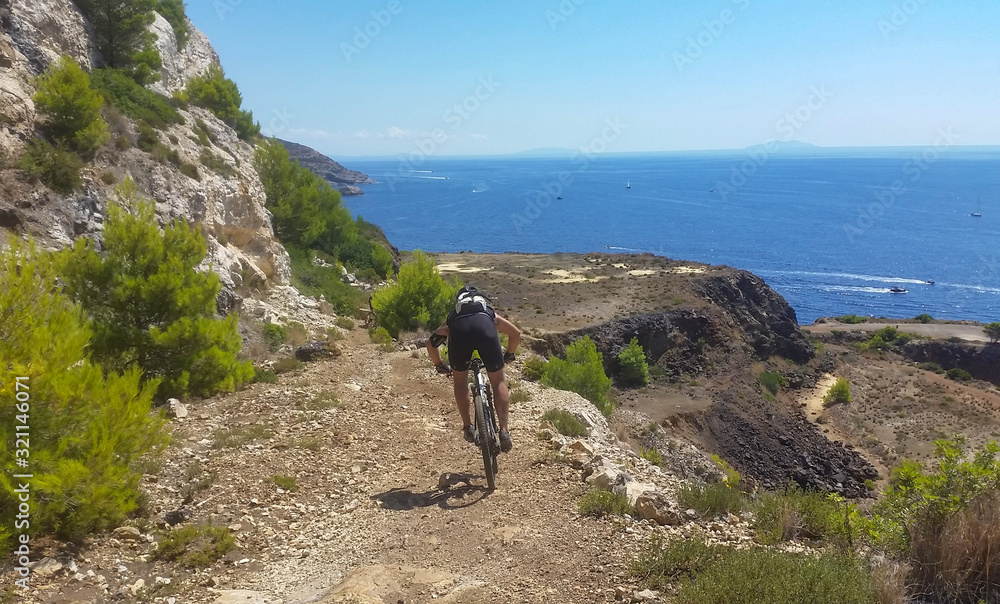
{"type": "Point", "coordinates": [775, 448]}
{"type": "Point", "coordinates": [316, 351]}
{"type": "Point", "coordinates": [323, 166]}
{"type": "Point", "coordinates": [762, 313]}
{"type": "Point", "coordinates": [983, 362]}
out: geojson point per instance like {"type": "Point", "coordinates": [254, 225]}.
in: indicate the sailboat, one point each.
{"type": "Point", "coordinates": [628, 185]}
{"type": "Point", "coordinates": [979, 211]}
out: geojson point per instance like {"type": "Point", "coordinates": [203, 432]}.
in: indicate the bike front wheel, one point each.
{"type": "Point", "coordinates": [486, 438]}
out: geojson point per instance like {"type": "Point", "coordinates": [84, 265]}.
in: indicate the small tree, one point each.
{"type": "Point", "coordinates": [87, 429]}
{"type": "Point", "coordinates": [220, 95]}
{"type": "Point", "coordinates": [419, 298]}
{"type": "Point", "coordinates": [72, 109]}
{"type": "Point", "coordinates": [582, 372]}
{"type": "Point", "coordinates": [173, 12]}
{"type": "Point", "coordinates": [993, 331]}
{"type": "Point", "coordinates": [120, 27]}
{"type": "Point", "coordinates": [632, 362]}
{"type": "Point", "coordinates": [840, 392]}
{"type": "Point", "coordinates": [150, 308]}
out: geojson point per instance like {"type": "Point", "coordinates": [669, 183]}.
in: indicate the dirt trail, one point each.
{"type": "Point", "coordinates": [973, 333]}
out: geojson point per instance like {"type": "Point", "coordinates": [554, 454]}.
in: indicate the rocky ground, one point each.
{"type": "Point", "coordinates": [389, 504]}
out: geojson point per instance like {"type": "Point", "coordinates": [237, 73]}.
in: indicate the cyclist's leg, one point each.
{"type": "Point", "coordinates": [501, 396]}
{"type": "Point", "coordinates": [462, 399]}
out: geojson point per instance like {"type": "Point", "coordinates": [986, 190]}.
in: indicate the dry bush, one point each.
{"type": "Point", "coordinates": [889, 577]}
{"type": "Point", "coordinates": [958, 560]}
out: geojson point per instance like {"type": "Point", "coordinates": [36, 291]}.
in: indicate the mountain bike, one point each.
{"type": "Point", "coordinates": [485, 420]}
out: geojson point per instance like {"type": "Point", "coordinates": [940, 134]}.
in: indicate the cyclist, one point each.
{"type": "Point", "coordinates": [474, 326]}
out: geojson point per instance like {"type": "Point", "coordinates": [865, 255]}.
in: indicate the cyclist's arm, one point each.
{"type": "Point", "coordinates": [432, 350]}
{"type": "Point", "coordinates": [513, 333]}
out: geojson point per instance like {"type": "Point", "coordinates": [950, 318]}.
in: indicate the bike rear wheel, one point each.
{"type": "Point", "coordinates": [486, 438]}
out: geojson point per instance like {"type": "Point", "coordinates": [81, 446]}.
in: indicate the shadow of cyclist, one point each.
{"type": "Point", "coordinates": [451, 486]}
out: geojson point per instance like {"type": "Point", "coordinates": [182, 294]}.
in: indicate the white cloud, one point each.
{"type": "Point", "coordinates": [397, 132]}
{"type": "Point", "coordinates": [362, 134]}
{"type": "Point", "coordinates": [313, 134]}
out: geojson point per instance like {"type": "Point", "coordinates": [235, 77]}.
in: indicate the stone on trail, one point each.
{"type": "Point", "coordinates": [316, 350]}
{"type": "Point", "coordinates": [655, 506]}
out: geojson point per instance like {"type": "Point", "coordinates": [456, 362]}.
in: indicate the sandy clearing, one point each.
{"type": "Point", "coordinates": [641, 272]}
{"type": "Point", "coordinates": [457, 267]}
{"type": "Point", "coordinates": [565, 276]}
{"type": "Point", "coordinates": [686, 270]}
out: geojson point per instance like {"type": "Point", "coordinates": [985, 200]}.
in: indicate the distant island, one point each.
{"type": "Point", "coordinates": [344, 180]}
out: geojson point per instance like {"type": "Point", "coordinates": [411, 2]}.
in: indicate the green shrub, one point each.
{"type": "Point", "coordinates": [149, 305]}
{"type": "Point", "coordinates": [924, 318]}
{"type": "Point", "coordinates": [993, 331]}
{"type": "Point", "coordinates": [534, 368]}
{"type": "Point", "coordinates": [57, 168]}
{"type": "Point", "coordinates": [190, 171]}
{"type": "Point", "coordinates": [173, 12]}
{"type": "Point", "coordinates": [215, 163]}
{"type": "Point", "coordinates": [797, 514]}
{"type": "Point", "coordinates": [772, 381]}
{"type": "Point", "coordinates": [72, 109]}
{"type": "Point", "coordinates": [286, 483]}
{"type": "Point", "coordinates": [275, 335]}
{"type": "Point", "coordinates": [582, 372]}
{"type": "Point", "coordinates": [840, 392]}
{"type": "Point", "coordinates": [417, 299]}
{"type": "Point", "coordinates": [238, 436]}
{"type": "Point", "coordinates": [195, 546]}
{"type": "Point", "coordinates": [958, 374]}
{"type": "Point", "coordinates": [604, 503]}
{"type": "Point", "coordinates": [382, 337]}
{"type": "Point", "coordinates": [652, 456]}
{"type": "Point", "coordinates": [943, 523]}
{"type": "Point", "coordinates": [88, 429]}
{"type": "Point", "coordinates": [344, 323]}
{"type": "Point", "coordinates": [288, 364]}
{"type": "Point", "coordinates": [632, 364]}
{"type": "Point", "coordinates": [931, 367]}
{"type": "Point", "coordinates": [133, 100]}
{"type": "Point", "coordinates": [852, 319]}
{"type": "Point", "coordinates": [564, 422]}
{"type": "Point", "coordinates": [722, 574]}
{"type": "Point", "coordinates": [120, 27]}
{"type": "Point", "coordinates": [220, 95]}
{"type": "Point", "coordinates": [314, 280]}
{"type": "Point", "coordinates": [264, 376]}
{"type": "Point", "coordinates": [711, 499]}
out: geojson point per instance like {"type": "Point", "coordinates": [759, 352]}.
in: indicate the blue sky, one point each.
{"type": "Point", "coordinates": [490, 77]}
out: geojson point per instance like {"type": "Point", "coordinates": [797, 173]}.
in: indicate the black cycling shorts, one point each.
{"type": "Point", "coordinates": [471, 333]}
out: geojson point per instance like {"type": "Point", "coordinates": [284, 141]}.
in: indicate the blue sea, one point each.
{"type": "Point", "coordinates": [831, 232]}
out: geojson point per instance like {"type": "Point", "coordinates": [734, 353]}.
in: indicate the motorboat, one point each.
{"type": "Point", "coordinates": [897, 290]}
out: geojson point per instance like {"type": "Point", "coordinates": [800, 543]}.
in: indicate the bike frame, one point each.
{"type": "Point", "coordinates": [485, 419]}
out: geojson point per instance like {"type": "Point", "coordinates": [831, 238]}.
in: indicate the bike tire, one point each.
{"type": "Point", "coordinates": [486, 442]}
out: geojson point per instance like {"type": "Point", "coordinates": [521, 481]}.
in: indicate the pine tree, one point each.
{"type": "Point", "coordinates": [120, 26]}
{"type": "Point", "coordinates": [150, 308]}
{"type": "Point", "coordinates": [72, 109]}
{"type": "Point", "coordinates": [86, 430]}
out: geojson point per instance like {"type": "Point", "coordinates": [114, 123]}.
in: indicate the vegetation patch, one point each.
{"type": "Point", "coordinates": [238, 436]}
{"type": "Point", "coordinates": [195, 546]}
{"type": "Point", "coordinates": [285, 483]}
{"type": "Point", "coordinates": [714, 574]}
{"type": "Point", "coordinates": [288, 364]}
{"type": "Point", "coordinates": [582, 371]}
{"type": "Point", "coordinates": [534, 368]}
{"type": "Point", "coordinates": [604, 503]}
{"type": "Point", "coordinates": [712, 498]}
{"type": "Point", "coordinates": [56, 168]}
{"type": "Point", "coordinates": [840, 392]}
{"type": "Point", "coordinates": [772, 381]}
{"type": "Point", "coordinates": [417, 299]}
{"type": "Point", "coordinates": [133, 100]}
{"type": "Point", "coordinates": [852, 319]}
{"type": "Point", "coordinates": [565, 422]}
{"type": "Point", "coordinates": [632, 365]}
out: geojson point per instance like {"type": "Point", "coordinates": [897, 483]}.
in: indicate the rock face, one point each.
{"type": "Point", "coordinates": [227, 202]}
{"type": "Point", "coordinates": [323, 166]}
{"type": "Point", "coordinates": [762, 313]}
{"type": "Point", "coordinates": [181, 64]}
{"type": "Point", "coordinates": [983, 362]}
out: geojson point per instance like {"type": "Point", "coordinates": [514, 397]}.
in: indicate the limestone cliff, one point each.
{"type": "Point", "coordinates": [227, 200]}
